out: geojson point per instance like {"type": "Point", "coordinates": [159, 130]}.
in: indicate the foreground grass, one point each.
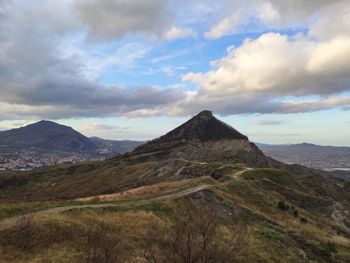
{"type": "Point", "coordinates": [274, 235]}
{"type": "Point", "coordinates": [62, 237]}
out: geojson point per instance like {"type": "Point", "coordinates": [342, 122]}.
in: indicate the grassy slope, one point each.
{"type": "Point", "coordinates": [274, 235]}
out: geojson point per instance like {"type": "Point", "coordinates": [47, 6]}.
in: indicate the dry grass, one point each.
{"type": "Point", "coordinates": [143, 191]}
{"type": "Point", "coordinates": [341, 240]}
{"type": "Point", "coordinates": [273, 234]}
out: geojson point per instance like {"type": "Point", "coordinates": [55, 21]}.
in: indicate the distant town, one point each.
{"type": "Point", "coordinates": [27, 160]}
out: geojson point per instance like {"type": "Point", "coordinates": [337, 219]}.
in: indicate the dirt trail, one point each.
{"type": "Point", "coordinates": [238, 174]}
{"type": "Point", "coordinates": [4, 223]}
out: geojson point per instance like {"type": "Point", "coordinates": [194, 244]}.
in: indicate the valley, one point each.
{"type": "Point", "coordinates": [329, 158]}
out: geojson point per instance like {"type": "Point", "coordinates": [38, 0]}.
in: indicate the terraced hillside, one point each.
{"type": "Point", "coordinates": [220, 196]}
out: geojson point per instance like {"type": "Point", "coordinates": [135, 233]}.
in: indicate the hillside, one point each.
{"type": "Point", "coordinates": [113, 147]}
{"type": "Point", "coordinates": [145, 204]}
{"type": "Point", "coordinates": [46, 143]}
{"type": "Point", "coordinates": [311, 155]}
{"type": "Point", "coordinates": [45, 136]}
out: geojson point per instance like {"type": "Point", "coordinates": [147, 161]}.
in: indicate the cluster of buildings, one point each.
{"type": "Point", "coordinates": [24, 161]}
{"type": "Point", "coordinates": [340, 164]}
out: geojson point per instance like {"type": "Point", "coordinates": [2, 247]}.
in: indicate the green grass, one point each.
{"type": "Point", "coordinates": [278, 177]}
{"type": "Point", "coordinates": [16, 209]}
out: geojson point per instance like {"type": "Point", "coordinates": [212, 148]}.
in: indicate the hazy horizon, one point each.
{"type": "Point", "coordinates": [180, 121]}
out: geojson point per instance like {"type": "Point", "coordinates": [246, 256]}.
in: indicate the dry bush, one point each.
{"type": "Point", "coordinates": [103, 245]}
{"type": "Point", "coordinates": [24, 231]}
{"type": "Point", "coordinates": [196, 238]}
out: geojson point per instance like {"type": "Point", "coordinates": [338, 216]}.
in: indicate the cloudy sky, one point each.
{"type": "Point", "coordinates": [277, 70]}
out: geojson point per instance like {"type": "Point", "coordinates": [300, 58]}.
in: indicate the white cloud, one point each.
{"type": "Point", "coordinates": [102, 127]}
{"type": "Point", "coordinates": [262, 74]}
{"type": "Point", "coordinates": [260, 65]}
{"type": "Point", "coordinates": [239, 16]}
{"type": "Point", "coordinates": [267, 12]}
{"type": "Point", "coordinates": [334, 23]}
{"type": "Point", "coordinates": [97, 61]}
{"type": "Point", "coordinates": [226, 26]}
{"type": "Point", "coordinates": [331, 58]}
{"type": "Point", "coordinates": [177, 33]}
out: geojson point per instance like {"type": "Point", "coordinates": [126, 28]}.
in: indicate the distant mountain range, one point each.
{"type": "Point", "coordinates": [311, 155]}
{"type": "Point", "coordinates": [46, 142]}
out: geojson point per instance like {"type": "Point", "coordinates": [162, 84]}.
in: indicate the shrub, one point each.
{"type": "Point", "coordinates": [282, 206]}
{"type": "Point", "coordinates": [303, 220]}
{"type": "Point", "coordinates": [295, 213]}
{"type": "Point", "coordinates": [331, 247]}
{"type": "Point", "coordinates": [103, 245]}
{"type": "Point", "coordinates": [194, 238]}
{"type": "Point", "coordinates": [327, 249]}
{"type": "Point", "coordinates": [24, 231]}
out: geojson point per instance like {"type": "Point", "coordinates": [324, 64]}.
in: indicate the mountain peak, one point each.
{"type": "Point", "coordinates": [46, 123]}
{"type": "Point", "coordinates": [48, 135]}
{"type": "Point", "coordinates": [206, 114]}
{"type": "Point", "coordinates": [202, 127]}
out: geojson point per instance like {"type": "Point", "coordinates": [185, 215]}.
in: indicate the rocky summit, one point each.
{"type": "Point", "coordinates": [204, 137]}
{"type": "Point", "coordinates": [203, 127]}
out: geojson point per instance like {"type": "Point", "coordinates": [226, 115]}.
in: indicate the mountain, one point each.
{"type": "Point", "coordinates": [203, 127]}
{"type": "Point", "coordinates": [206, 137]}
{"type": "Point", "coordinates": [113, 147]}
{"type": "Point", "coordinates": [46, 142]}
{"type": "Point", "coordinates": [46, 136]}
{"type": "Point", "coordinates": [203, 184]}
{"type": "Point", "coordinates": [311, 155]}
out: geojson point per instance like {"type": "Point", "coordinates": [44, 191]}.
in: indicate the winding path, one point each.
{"type": "Point", "coordinates": [4, 223]}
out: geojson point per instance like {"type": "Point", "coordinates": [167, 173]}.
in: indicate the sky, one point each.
{"type": "Point", "coordinates": [276, 70]}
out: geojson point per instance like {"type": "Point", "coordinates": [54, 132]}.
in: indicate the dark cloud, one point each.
{"type": "Point", "coordinates": [250, 104]}
{"type": "Point", "coordinates": [36, 82]}
{"type": "Point", "coordinates": [116, 18]}
{"type": "Point", "coordinates": [268, 122]}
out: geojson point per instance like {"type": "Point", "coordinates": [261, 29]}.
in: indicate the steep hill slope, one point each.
{"type": "Point", "coordinates": [203, 127]}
